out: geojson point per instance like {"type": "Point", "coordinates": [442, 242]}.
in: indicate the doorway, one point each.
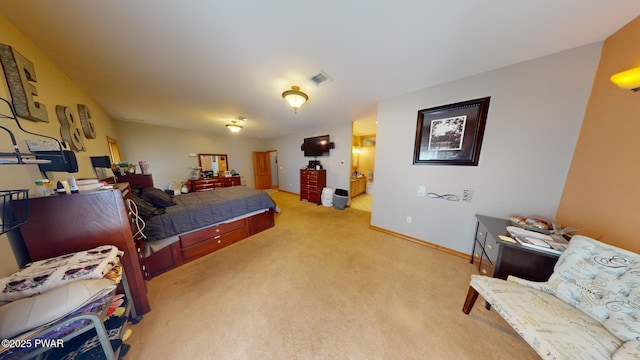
{"type": "Point", "coordinates": [363, 149]}
{"type": "Point", "coordinates": [265, 169]}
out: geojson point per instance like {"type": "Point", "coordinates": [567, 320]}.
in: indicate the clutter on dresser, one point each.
{"type": "Point", "coordinates": [539, 233]}
{"type": "Point", "coordinates": [542, 225]}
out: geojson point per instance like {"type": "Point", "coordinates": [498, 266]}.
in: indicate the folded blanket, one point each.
{"type": "Point", "coordinates": [44, 275]}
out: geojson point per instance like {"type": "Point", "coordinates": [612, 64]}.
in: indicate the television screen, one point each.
{"type": "Point", "coordinates": [316, 146]}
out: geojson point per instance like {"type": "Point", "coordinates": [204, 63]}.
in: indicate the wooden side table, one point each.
{"type": "Point", "coordinates": [499, 259]}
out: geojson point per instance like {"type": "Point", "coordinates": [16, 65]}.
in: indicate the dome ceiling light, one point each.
{"type": "Point", "coordinates": [295, 98]}
{"type": "Point", "coordinates": [234, 127]}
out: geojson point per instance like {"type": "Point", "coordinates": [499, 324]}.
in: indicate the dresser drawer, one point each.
{"type": "Point", "coordinates": [481, 234]}
{"type": "Point", "coordinates": [485, 266]}
{"type": "Point", "coordinates": [203, 186]}
{"type": "Point", "coordinates": [491, 248]}
{"type": "Point", "coordinates": [309, 182]}
{"type": "Point", "coordinates": [204, 235]}
{"type": "Point", "coordinates": [477, 254]}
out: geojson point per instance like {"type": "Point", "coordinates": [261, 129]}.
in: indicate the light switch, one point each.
{"type": "Point", "coordinates": [422, 191]}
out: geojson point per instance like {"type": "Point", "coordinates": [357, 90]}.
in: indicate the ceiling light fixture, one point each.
{"type": "Point", "coordinates": [295, 98]}
{"type": "Point", "coordinates": [234, 127]}
{"type": "Point", "coordinates": [629, 79]}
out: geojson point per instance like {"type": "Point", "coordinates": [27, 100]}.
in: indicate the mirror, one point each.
{"type": "Point", "coordinates": [213, 165]}
{"type": "Point", "coordinates": [369, 140]}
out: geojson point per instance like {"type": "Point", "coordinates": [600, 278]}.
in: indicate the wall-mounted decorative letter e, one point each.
{"type": "Point", "coordinates": [21, 75]}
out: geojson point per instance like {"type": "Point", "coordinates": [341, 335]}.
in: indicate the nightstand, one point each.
{"type": "Point", "coordinates": [499, 259]}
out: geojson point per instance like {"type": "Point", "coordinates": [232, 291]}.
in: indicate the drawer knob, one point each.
{"type": "Point", "coordinates": [481, 233]}
{"type": "Point", "coordinates": [219, 241]}
{"type": "Point", "coordinates": [217, 230]}
{"type": "Point", "coordinates": [490, 246]}
{"type": "Point", "coordinates": [483, 271]}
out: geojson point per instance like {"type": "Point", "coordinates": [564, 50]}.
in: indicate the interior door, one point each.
{"type": "Point", "coordinates": [262, 170]}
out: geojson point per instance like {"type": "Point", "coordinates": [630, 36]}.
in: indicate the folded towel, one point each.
{"type": "Point", "coordinates": [44, 275]}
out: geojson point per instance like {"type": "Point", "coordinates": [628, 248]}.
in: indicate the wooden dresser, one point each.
{"type": "Point", "coordinates": [500, 259]}
{"type": "Point", "coordinates": [62, 224]}
{"type": "Point", "coordinates": [213, 183]}
{"type": "Point", "coordinates": [311, 184]}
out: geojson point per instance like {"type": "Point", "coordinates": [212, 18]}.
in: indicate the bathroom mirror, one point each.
{"type": "Point", "coordinates": [369, 140]}
{"type": "Point", "coordinates": [215, 163]}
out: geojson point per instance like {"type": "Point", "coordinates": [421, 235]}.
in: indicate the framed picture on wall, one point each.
{"type": "Point", "coordinates": [451, 134]}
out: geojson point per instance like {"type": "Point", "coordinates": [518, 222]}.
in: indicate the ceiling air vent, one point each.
{"type": "Point", "coordinates": [321, 78]}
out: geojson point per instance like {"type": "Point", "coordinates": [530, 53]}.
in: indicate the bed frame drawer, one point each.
{"type": "Point", "coordinates": [200, 236]}
{"type": "Point", "coordinates": [203, 242]}
{"type": "Point", "coordinates": [212, 244]}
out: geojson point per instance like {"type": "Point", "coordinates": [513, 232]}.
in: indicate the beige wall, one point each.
{"type": "Point", "coordinates": [54, 88]}
{"type": "Point", "coordinates": [534, 119]}
{"type": "Point", "coordinates": [167, 150]}
{"type": "Point", "coordinates": [601, 192]}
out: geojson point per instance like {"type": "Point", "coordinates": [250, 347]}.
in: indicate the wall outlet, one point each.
{"type": "Point", "coordinates": [422, 191]}
{"type": "Point", "coordinates": [409, 219]}
{"type": "Point", "coordinates": [467, 195]}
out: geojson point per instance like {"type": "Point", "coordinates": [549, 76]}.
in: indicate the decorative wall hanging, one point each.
{"type": "Point", "coordinates": [88, 128]}
{"type": "Point", "coordinates": [451, 134]}
{"type": "Point", "coordinates": [69, 128]}
{"type": "Point", "coordinates": [20, 75]}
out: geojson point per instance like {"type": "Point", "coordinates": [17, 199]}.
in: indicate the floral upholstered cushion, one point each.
{"type": "Point", "coordinates": [628, 351]}
{"type": "Point", "coordinates": [553, 328]}
{"type": "Point", "coordinates": [603, 281]}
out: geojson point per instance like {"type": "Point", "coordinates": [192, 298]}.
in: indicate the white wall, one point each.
{"type": "Point", "coordinates": [167, 150]}
{"type": "Point", "coordinates": [291, 159]}
{"type": "Point", "coordinates": [534, 118]}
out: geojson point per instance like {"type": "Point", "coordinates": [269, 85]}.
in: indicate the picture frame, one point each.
{"type": "Point", "coordinates": [451, 134]}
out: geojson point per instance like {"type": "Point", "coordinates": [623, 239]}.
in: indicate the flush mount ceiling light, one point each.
{"type": "Point", "coordinates": [234, 127]}
{"type": "Point", "coordinates": [295, 98]}
{"type": "Point", "coordinates": [629, 79]}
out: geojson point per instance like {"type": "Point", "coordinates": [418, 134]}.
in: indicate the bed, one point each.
{"type": "Point", "coordinates": [178, 229]}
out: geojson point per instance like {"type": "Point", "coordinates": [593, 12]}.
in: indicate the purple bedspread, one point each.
{"type": "Point", "coordinates": [199, 209]}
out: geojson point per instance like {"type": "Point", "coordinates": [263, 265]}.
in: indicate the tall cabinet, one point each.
{"type": "Point", "coordinates": [311, 184]}
{"type": "Point", "coordinates": [62, 224]}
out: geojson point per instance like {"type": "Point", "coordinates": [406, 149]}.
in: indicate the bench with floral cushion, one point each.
{"type": "Point", "coordinates": [588, 309]}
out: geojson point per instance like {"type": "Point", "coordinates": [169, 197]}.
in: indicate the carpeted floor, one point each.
{"type": "Point", "coordinates": [320, 285]}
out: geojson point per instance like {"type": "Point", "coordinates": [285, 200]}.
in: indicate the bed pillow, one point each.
{"type": "Point", "coordinates": [146, 210]}
{"type": "Point", "coordinates": [157, 197]}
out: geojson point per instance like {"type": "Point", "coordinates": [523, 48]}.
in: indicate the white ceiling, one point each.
{"type": "Point", "coordinates": [200, 63]}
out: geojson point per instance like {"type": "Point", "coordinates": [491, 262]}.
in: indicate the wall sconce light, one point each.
{"type": "Point", "coordinates": [295, 98]}
{"type": "Point", "coordinates": [234, 127]}
{"type": "Point", "coordinates": [629, 79]}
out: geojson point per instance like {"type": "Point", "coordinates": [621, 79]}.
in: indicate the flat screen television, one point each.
{"type": "Point", "coordinates": [317, 146]}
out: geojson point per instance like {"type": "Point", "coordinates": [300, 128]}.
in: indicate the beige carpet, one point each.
{"type": "Point", "coordinates": [320, 285]}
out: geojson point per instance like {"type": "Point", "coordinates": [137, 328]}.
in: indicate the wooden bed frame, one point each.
{"type": "Point", "coordinates": [196, 244]}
